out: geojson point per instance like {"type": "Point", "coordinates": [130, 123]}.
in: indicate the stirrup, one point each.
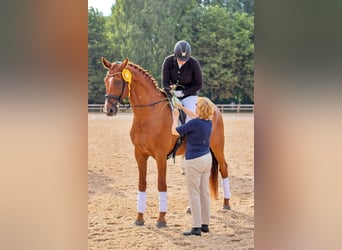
{"type": "Point", "coordinates": [179, 142]}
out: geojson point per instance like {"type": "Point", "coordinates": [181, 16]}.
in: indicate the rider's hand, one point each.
{"type": "Point", "coordinates": [172, 88]}
{"type": "Point", "coordinates": [176, 113]}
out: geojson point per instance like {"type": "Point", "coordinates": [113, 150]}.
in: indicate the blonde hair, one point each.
{"type": "Point", "coordinates": [205, 108]}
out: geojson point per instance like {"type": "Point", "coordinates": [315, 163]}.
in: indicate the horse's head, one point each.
{"type": "Point", "coordinates": [116, 85]}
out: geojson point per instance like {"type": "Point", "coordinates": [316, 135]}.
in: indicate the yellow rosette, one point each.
{"type": "Point", "coordinates": [127, 76]}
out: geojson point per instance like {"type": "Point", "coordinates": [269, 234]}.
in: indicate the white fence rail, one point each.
{"type": "Point", "coordinates": [99, 107]}
{"type": "Point", "coordinates": [236, 107]}
{"type": "Point", "coordinates": [224, 108]}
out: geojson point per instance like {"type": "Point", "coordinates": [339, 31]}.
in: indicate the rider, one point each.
{"type": "Point", "coordinates": [182, 75]}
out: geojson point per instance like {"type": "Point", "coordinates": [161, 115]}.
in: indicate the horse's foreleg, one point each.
{"type": "Point", "coordinates": [141, 200]}
{"type": "Point", "coordinates": [162, 188]}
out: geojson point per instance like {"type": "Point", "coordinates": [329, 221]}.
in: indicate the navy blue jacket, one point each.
{"type": "Point", "coordinates": [198, 133]}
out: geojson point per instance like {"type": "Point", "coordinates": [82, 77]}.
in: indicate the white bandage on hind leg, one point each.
{"type": "Point", "coordinates": [162, 201]}
{"type": "Point", "coordinates": [141, 202]}
{"type": "Point", "coordinates": [226, 188]}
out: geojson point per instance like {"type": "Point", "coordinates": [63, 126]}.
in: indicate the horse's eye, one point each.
{"type": "Point", "coordinates": [117, 82]}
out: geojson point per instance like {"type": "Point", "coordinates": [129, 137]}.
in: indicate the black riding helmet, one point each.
{"type": "Point", "coordinates": [182, 50]}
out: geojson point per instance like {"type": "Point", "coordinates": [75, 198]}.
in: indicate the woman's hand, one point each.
{"type": "Point", "coordinates": [175, 122]}
{"type": "Point", "coordinates": [179, 105]}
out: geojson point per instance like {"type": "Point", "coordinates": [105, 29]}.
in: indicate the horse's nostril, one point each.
{"type": "Point", "coordinates": [112, 111]}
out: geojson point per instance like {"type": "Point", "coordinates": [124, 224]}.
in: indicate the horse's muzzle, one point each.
{"type": "Point", "coordinates": [113, 110]}
{"type": "Point", "coordinates": [110, 109]}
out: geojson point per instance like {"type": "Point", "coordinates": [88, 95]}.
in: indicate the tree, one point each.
{"type": "Point", "coordinates": [233, 6]}
{"type": "Point", "coordinates": [221, 34]}
{"type": "Point", "coordinates": [246, 6]}
{"type": "Point", "coordinates": [146, 31]}
{"type": "Point", "coordinates": [243, 64]}
{"type": "Point", "coordinates": [225, 47]}
{"type": "Point", "coordinates": [97, 46]}
{"type": "Point", "coordinates": [216, 52]}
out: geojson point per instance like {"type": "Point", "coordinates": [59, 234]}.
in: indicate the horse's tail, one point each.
{"type": "Point", "coordinates": [213, 180]}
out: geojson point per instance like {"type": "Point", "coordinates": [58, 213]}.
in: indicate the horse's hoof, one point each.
{"type": "Point", "coordinates": [188, 210]}
{"type": "Point", "coordinates": [139, 222]}
{"type": "Point", "coordinates": [161, 224]}
{"type": "Point", "coordinates": [226, 207]}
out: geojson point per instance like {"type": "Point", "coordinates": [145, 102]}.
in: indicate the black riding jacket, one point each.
{"type": "Point", "coordinates": [188, 78]}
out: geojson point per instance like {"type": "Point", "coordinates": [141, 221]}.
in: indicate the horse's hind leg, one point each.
{"type": "Point", "coordinates": [141, 205]}
{"type": "Point", "coordinates": [224, 174]}
{"type": "Point", "coordinates": [225, 183]}
{"type": "Point", "coordinates": [217, 146]}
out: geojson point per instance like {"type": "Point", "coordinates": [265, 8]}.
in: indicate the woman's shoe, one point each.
{"type": "Point", "coordinates": [194, 231]}
{"type": "Point", "coordinates": [205, 228]}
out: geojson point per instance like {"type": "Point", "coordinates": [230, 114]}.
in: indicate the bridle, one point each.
{"type": "Point", "coordinates": [115, 97]}
{"type": "Point", "coordinates": [119, 98]}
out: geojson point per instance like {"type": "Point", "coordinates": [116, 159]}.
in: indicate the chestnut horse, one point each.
{"type": "Point", "coordinates": [151, 130]}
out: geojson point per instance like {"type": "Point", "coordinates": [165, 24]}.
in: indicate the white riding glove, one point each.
{"type": "Point", "coordinates": [178, 93]}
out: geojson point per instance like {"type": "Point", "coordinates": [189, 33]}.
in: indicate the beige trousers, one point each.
{"type": "Point", "coordinates": [197, 172]}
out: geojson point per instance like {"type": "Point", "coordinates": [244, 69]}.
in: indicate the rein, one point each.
{"type": "Point", "coordinates": [150, 104]}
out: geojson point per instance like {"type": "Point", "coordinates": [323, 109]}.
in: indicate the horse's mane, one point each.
{"type": "Point", "coordinates": [146, 73]}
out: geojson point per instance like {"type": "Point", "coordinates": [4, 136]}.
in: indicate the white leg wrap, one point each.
{"type": "Point", "coordinates": [162, 201]}
{"type": "Point", "coordinates": [141, 202]}
{"type": "Point", "coordinates": [226, 188]}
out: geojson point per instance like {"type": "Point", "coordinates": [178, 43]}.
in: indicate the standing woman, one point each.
{"type": "Point", "coordinates": [197, 161]}
{"type": "Point", "coordinates": [182, 75]}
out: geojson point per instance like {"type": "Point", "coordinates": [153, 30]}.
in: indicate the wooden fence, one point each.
{"type": "Point", "coordinates": [224, 108]}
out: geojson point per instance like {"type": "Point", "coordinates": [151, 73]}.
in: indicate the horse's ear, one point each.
{"type": "Point", "coordinates": [105, 63]}
{"type": "Point", "coordinates": [125, 62]}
